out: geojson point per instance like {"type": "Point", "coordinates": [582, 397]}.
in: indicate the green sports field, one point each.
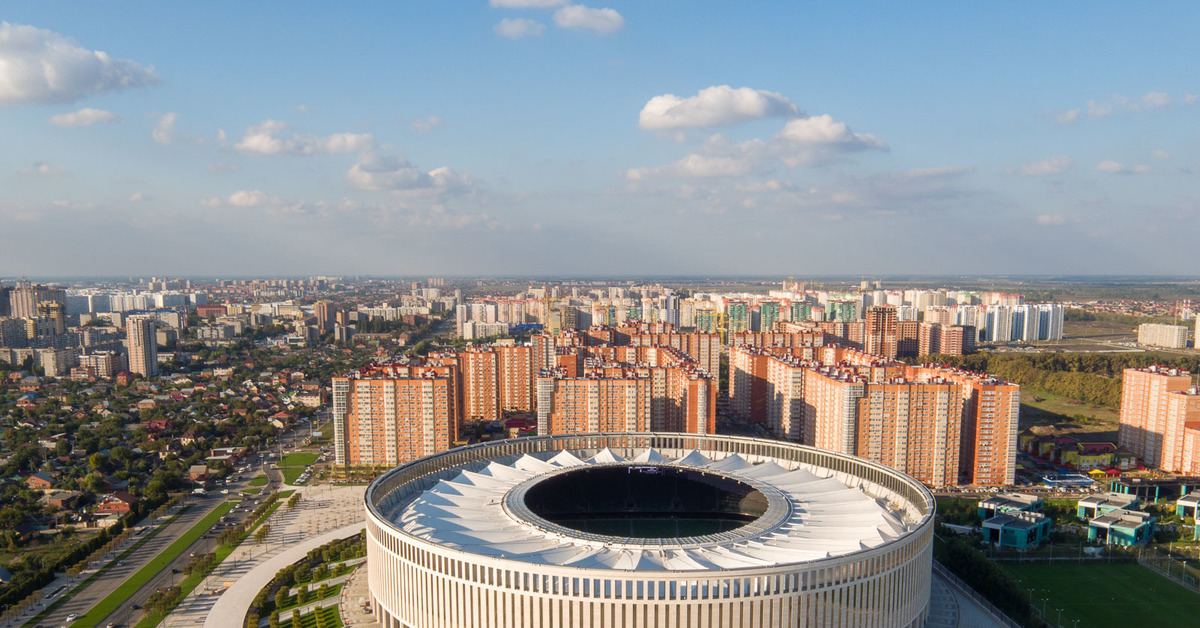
{"type": "Point", "coordinates": [1104, 594]}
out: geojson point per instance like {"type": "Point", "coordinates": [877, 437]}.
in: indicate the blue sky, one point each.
{"type": "Point", "coordinates": [651, 137]}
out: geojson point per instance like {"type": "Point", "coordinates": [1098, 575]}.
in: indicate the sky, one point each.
{"type": "Point", "coordinates": [650, 137]}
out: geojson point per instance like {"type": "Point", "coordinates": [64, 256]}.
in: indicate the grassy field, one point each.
{"type": "Point", "coordinates": [1043, 408]}
{"type": "Point", "coordinates": [260, 480]}
{"type": "Point", "coordinates": [122, 593]}
{"type": "Point", "coordinates": [1118, 595]}
{"type": "Point", "coordinates": [298, 460]}
{"type": "Point", "coordinates": [291, 473]}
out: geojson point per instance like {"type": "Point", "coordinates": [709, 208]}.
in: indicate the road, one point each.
{"type": "Point", "coordinates": [127, 615]}
{"type": "Point", "coordinates": [90, 595]}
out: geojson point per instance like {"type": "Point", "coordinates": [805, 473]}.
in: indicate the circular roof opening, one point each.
{"type": "Point", "coordinates": [645, 501]}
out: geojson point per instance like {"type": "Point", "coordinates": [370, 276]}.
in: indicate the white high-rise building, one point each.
{"type": "Point", "coordinates": [1169, 336]}
{"type": "Point", "coordinates": [142, 344]}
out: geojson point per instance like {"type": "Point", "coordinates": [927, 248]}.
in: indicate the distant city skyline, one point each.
{"type": "Point", "coordinates": [525, 138]}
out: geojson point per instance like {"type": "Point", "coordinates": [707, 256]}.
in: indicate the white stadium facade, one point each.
{"type": "Point", "coordinates": [647, 531]}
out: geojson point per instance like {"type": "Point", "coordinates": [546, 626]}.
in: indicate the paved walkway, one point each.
{"type": "Point", "coordinates": [354, 600]}
{"type": "Point", "coordinates": [943, 605]}
{"type": "Point", "coordinates": [323, 514]}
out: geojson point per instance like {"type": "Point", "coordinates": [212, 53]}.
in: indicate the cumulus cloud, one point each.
{"type": "Point", "coordinates": [516, 28]}
{"type": "Point", "coordinates": [43, 169]}
{"type": "Point", "coordinates": [393, 173]}
{"type": "Point", "coordinates": [1051, 219]}
{"type": "Point", "coordinates": [137, 197]}
{"type": "Point", "coordinates": [714, 106]}
{"type": "Point", "coordinates": [164, 131]}
{"type": "Point", "coordinates": [1114, 167]}
{"type": "Point", "coordinates": [1161, 154]}
{"type": "Point", "coordinates": [85, 117]}
{"type": "Point", "coordinates": [266, 139]}
{"type": "Point", "coordinates": [526, 4]}
{"type": "Point", "coordinates": [1057, 164]}
{"type": "Point", "coordinates": [426, 125]}
{"type": "Point", "coordinates": [603, 21]}
{"type": "Point", "coordinates": [39, 66]}
{"type": "Point", "coordinates": [803, 142]}
{"type": "Point", "coordinates": [815, 140]}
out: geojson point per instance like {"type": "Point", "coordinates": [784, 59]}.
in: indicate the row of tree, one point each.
{"type": "Point", "coordinates": [1090, 377]}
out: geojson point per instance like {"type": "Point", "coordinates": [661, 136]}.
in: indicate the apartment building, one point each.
{"type": "Point", "coordinates": [1145, 396]}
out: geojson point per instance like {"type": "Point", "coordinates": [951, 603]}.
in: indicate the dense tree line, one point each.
{"type": "Point", "coordinates": [983, 575]}
{"type": "Point", "coordinates": [1090, 377]}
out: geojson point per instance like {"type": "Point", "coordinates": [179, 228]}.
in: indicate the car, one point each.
{"type": "Point", "coordinates": [72, 617]}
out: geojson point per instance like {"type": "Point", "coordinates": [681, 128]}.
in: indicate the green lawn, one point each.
{"type": "Point", "coordinates": [1100, 594]}
{"type": "Point", "coordinates": [122, 593]}
{"type": "Point", "coordinates": [1039, 408]}
{"type": "Point", "coordinates": [298, 460]}
{"type": "Point", "coordinates": [258, 481]}
{"type": "Point", "coordinates": [251, 491]}
{"type": "Point", "coordinates": [310, 620]}
{"type": "Point", "coordinates": [290, 474]}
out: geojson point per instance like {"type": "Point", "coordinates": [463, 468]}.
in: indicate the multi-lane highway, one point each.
{"type": "Point", "coordinates": [129, 612]}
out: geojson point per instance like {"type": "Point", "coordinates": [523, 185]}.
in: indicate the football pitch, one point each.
{"type": "Point", "coordinates": [1106, 594]}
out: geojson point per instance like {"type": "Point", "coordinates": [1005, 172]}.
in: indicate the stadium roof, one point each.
{"type": "Point", "coordinates": [815, 517]}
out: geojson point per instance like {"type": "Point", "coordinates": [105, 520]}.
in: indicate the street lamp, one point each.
{"type": "Point", "coordinates": [1059, 622]}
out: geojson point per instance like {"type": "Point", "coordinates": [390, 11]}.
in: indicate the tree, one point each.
{"type": "Point", "coordinates": [62, 448]}
{"type": "Point", "coordinates": [281, 597]}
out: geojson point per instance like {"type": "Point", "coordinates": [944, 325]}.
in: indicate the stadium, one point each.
{"type": "Point", "coordinates": [647, 531]}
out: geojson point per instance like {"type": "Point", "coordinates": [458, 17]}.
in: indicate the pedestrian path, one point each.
{"type": "Point", "coordinates": [323, 514]}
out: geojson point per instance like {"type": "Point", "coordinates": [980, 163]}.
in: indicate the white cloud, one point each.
{"type": "Point", "coordinates": [1051, 219]}
{"type": "Point", "coordinates": [39, 66]}
{"type": "Point", "coordinates": [814, 141]}
{"type": "Point", "coordinates": [164, 131]}
{"type": "Point", "coordinates": [714, 106]}
{"type": "Point", "coordinates": [603, 21]}
{"type": "Point", "coordinates": [1068, 117]}
{"type": "Point", "coordinates": [392, 173]}
{"type": "Point", "coordinates": [257, 199]}
{"type": "Point", "coordinates": [1155, 99]}
{"type": "Point", "coordinates": [526, 4]}
{"type": "Point", "coordinates": [1057, 164]}
{"type": "Point", "coordinates": [85, 117]}
{"type": "Point", "coordinates": [265, 139]}
{"type": "Point", "coordinates": [718, 157]}
{"type": "Point", "coordinates": [137, 197]}
{"type": "Point", "coordinates": [426, 125]}
{"type": "Point", "coordinates": [1097, 109]}
{"type": "Point", "coordinates": [253, 198]}
{"type": "Point", "coordinates": [1161, 154]}
{"type": "Point", "coordinates": [43, 169]}
{"type": "Point", "coordinates": [1190, 99]}
{"type": "Point", "coordinates": [516, 28]}
{"type": "Point", "coordinates": [1114, 167]}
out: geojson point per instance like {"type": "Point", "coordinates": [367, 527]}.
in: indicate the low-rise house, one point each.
{"type": "Point", "coordinates": [198, 473]}
{"type": "Point", "coordinates": [62, 500]}
{"type": "Point", "coordinates": [40, 481]}
{"type": "Point", "coordinates": [1122, 527]}
{"type": "Point", "coordinates": [1016, 529]}
{"type": "Point", "coordinates": [115, 503]}
{"type": "Point", "coordinates": [1095, 505]}
{"type": "Point", "coordinates": [1006, 503]}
